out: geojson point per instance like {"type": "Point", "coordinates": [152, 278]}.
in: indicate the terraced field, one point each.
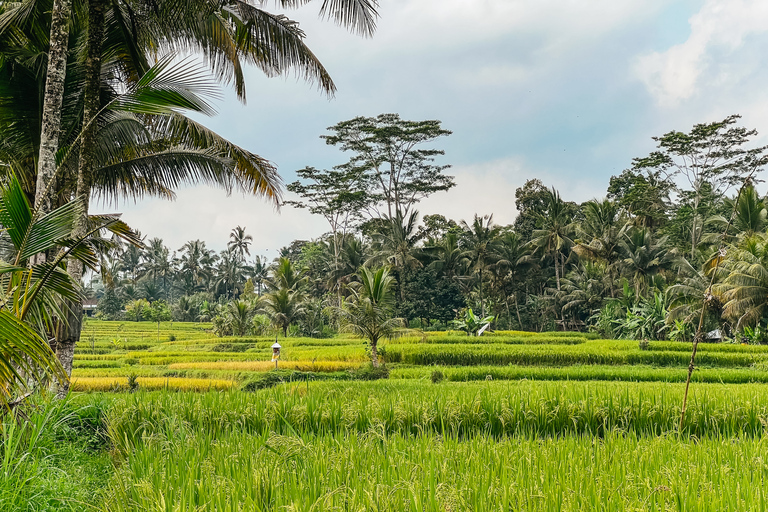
{"type": "Point", "coordinates": [509, 421]}
{"type": "Point", "coordinates": [188, 356]}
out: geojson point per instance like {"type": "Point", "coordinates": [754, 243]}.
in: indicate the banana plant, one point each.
{"type": "Point", "coordinates": [472, 324]}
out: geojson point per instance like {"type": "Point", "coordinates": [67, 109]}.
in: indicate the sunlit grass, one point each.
{"type": "Point", "coordinates": [149, 383]}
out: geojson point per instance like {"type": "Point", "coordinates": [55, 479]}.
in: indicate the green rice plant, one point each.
{"type": "Point", "coordinates": [585, 373]}
{"type": "Point", "coordinates": [198, 470]}
{"type": "Point", "coordinates": [587, 353]}
{"type": "Point", "coordinates": [498, 409]}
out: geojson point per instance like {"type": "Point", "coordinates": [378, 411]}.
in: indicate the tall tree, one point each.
{"type": "Point", "coordinates": [711, 156]}
{"type": "Point", "coordinates": [387, 156]}
{"type": "Point", "coordinates": [239, 242]}
{"type": "Point", "coordinates": [480, 242]}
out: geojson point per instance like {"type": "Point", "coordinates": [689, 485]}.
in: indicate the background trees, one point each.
{"type": "Point", "coordinates": [614, 265]}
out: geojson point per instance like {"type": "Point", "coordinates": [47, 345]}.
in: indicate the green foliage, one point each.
{"type": "Point", "coordinates": [471, 323]}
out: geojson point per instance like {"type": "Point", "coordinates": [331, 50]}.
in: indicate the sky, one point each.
{"type": "Point", "coordinates": [565, 91]}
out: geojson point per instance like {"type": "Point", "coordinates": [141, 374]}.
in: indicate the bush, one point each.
{"type": "Point", "coordinates": [437, 376]}
{"type": "Point", "coordinates": [171, 337]}
{"type": "Point", "coordinates": [370, 372]}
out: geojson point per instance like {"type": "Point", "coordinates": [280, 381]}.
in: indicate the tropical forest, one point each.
{"type": "Point", "coordinates": [548, 351]}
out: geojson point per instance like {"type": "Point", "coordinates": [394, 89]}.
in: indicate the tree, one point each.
{"type": "Point", "coordinates": [158, 311]}
{"type": "Point", "coordinates": [555, 235]}
{"type": "Point", "coordinates": [284, 306]}
{"type": "Point", "coordinates": [337, 195]}
{"type": "Point", "coordinates": [239, 313]}
{"type": "Point", "coordinates": [530, 200]}
{"type": "Point", "coordinates": [388, 161]}
{"type": "Point", "coordinates": [480, 242]}
{"type": "Point", "coordinates": [711, 155]}
{"type": "Point", "coordinates": [239, 242]}
{"type": "Point", "coordinates": [370, 309]}
{"type": "Point", "coordinates": [642, 195]}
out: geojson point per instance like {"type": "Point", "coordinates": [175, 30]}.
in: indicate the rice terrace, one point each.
{"type": "Point", "coordinates": [383, 255]}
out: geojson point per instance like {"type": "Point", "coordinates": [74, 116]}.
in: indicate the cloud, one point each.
{"type": "Point", "coordinates": [489, 188]}
{"type": "Point", "coordinates": [718, 31]}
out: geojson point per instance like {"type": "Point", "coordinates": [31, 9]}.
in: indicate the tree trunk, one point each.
{"type": "Point", "coordinates": [517, 309]}
{"type": "Point", "coordinates": [53, 98]}
{"type": "Point", "coordinates": [375, 353]}
{"type": "Point", "coordinates": [557, 272]}
{"type": "Point", "coordinates": [69, 334]}
{"type": "Point", "coordinates": [482, 303]}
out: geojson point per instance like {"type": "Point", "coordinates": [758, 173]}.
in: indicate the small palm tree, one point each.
{"type": "Point", "coordinates": [283, 306]}
{"type": "Point", "coordinates": [239, 313]}
{"type": "Point", "coordinates": [370, 309]}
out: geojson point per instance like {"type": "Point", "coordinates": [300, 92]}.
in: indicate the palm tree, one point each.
{"type": "Point", "coordinates": [285, 275]}
{"type": "Point", "coordinates": [692, 292]}
{"type": "Point", "coordinates": [239, 314]}
{"type": "Point", "coordinates": [393, 244]}
{"type": "Point", "coordinates": [284, 306]}
{"type": "Point", "coordinates": [369, 311]}
{"type": "Point", "coordinates": [644, 257]}
{"type": "Point", "coordinates": [556, 233]}
{"type": "Point", "coordinates": [197, 261]}
{"type": "Point", "coordinates": [230, 273]}
{"type": "Point", "coordinates": [750, 213]}
{"type": "Point", "coordinates": [599, 235]}
{"type": "Point", "coordinates": [510, 267]}
{"type": "Point", "coordinates": [239, 242]}
{"type": "Point", "coordinates": [259, 272]}
{"type": "Point", "coordinates": [446, 254]}
{"type": "Point", "coordinates": [480, 243]}
{"type": "Point", "coordinates": [31, 293]}
{"type": "Point", "coordinates": [745, 289]}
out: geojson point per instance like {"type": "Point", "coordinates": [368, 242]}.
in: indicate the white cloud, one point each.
{"type": "Point", "coordinates": [718, 31]}
{"type": "Point", "coordinates": [489, 187]}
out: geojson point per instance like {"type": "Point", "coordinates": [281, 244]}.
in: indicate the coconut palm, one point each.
{"type": "Point", "coordinates": [644, 257]}
{"type": "Point", "coordinates": [599, 235]}
{"type": "Point", "coordinates": [230, 274]}
{"type": "Point", "coordinates": [556, 233]}
{"type": "Point", "coordinates": [370, 309]}
{"type": "Point", "coordinates": [259, 272]}
{"type": "Point", "coordinates": [480, 243]}
{"type": "Point", "coordinates": [283, 306]}
{"type": "Point", "coordinates": [239, 314]}
{"type": "Point", "coordinates": [239, 242]}
{"type": "Point", "coordinates": [745, 289]}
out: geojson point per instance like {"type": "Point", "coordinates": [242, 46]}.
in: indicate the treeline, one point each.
{"type": "Point", "coordinates": [636, 264]}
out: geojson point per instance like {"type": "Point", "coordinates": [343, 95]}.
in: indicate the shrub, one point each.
{"type": "Point", "coordinates": [133, 383]}
{"type": "Point", "coordinates": [437, 376]}
{"type": "Point", "coordinates": [370, 372]}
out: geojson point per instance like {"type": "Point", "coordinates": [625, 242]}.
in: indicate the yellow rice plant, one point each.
{"type": "Point", "coordinates": [149, 383]}
{"type": "Point", "coordinates": [263, 366]}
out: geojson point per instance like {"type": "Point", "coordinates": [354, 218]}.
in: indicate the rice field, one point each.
{"type": "Point", "coordinates": [510, 421]}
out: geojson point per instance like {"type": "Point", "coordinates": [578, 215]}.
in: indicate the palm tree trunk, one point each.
{"type": "Point", "coordinates": [517, 308]}
{"type": "Point", "coordinates": [53, 98]}
{"type": "Point", "coordinates": [482, 303]}
{"type": "Point", "coordinates": [69, 334]}
{"type": "Point", "coordinates": [557, 272]}
{"type": "Point", "coordinates": [374, 353]}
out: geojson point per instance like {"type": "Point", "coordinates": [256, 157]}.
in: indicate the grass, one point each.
{"type": "Point", "coordinates": [150, 383]}
{"type": "Point", "coordinates": [566, 422]}
{"type": "Point", "coordinates": [498, 409]}
{"type": "Point", "coordinates": [372, 471]}
{"type": "Point", "coordinates": [263, 366]}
